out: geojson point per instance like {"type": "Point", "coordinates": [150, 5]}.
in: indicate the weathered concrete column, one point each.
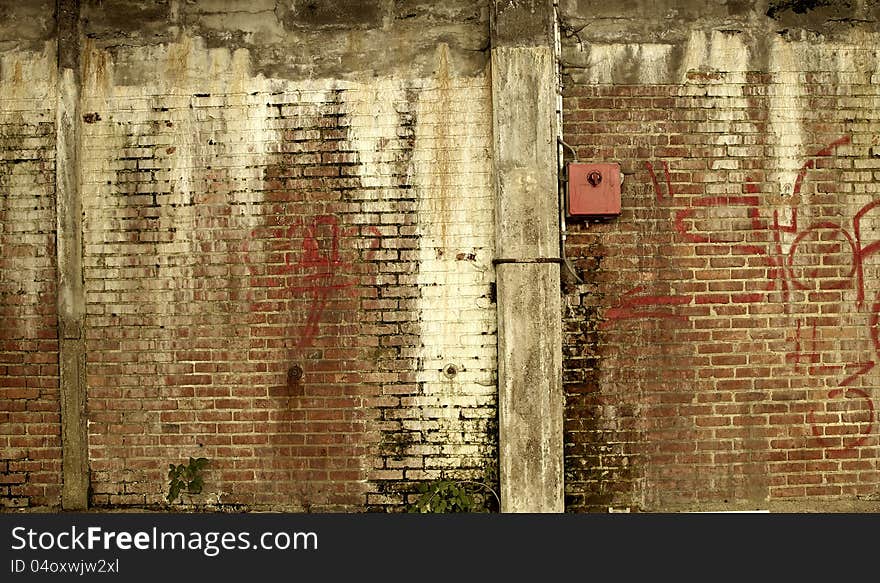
{"type": "Point", "coordinates": [70, 288]}
{"type": "Point", "coordinates": [527, 256]}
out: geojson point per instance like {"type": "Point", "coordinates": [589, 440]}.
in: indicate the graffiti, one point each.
{"type": "Point", "coordinates": [822, 256]}
{"type": "Point", "coordinates": [629, 306]}
{"type": "Point", "coordinates": [309, 261]}
{"type": "Point", "coordinates": [657, 191]}
{"type": "Point", "coordinates": [776, 258]}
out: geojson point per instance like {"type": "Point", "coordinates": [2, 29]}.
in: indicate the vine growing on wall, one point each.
{"type": "Point", "coordinates": [444, 495]}
{"type": "Point", "coordinates": [186, 478]}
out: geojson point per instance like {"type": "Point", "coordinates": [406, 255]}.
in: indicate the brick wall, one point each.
{"type": "Point", "coordinates": [287, 244]}
{"type": "Point", "coordinates": [30, 431]}
{"type": "Point", "coordinates": [291, 278]}
{"type": "Point", "coordinates": [721, 351]}
{"type": "Point", "coordinates": [288, 233]}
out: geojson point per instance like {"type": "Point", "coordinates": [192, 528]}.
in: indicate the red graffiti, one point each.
{"type": "Point", "coordinates": [784, 269]}
{"type": "Point", "coordinates": [656, 184]}
{"type": "Point", "coordinates": [785, 259]}
{"type": "Point", "coordinates": [863, 252]}
{"type": "Point", "coordinates": [631, 306]}
{"type": "Point", "coordinates": [873, 324]}
{"type": "Point", "coordinates": [315, 265]}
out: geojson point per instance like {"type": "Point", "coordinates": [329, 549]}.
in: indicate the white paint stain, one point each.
{"type": "Point", "coordinates": [374, 122]}
{"type": "Point", "coordinates": [456, 224]}
{"type": "Point", "coordinates": [196, 151]}
{"type": "Point", "coordinates": [28, 84]}
{"type": "Point", "coordinates": [786, 113]}
{"type": "Point", "coordinates": [612, 63]}
{"type": "Point", "coordinates": [725, 58]}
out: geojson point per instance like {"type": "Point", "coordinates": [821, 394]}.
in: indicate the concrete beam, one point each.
{"type": "Point", "coordinates": [69, 242]}
{"type": "Point", "coordinates": [530, 396]}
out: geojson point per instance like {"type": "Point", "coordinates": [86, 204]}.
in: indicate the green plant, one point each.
{"type": "Point", "coordinates": [187, 478]}
{"type": "Point", "coordinates": [444, 496]}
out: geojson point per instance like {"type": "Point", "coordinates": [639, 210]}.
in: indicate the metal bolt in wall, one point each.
{"type": "Point", "coordinates": [294, 374]}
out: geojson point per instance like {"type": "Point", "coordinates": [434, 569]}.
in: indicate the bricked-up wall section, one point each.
{"type": "Point", "coordinates": [289, 278]}
{"type": "Point", "coordinates": [722, 349]}
{"type": "Point", "coordinates": [30, 431]}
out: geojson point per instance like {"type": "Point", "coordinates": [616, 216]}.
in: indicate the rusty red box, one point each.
{"type": "Point", "coordinates": [593, 189]}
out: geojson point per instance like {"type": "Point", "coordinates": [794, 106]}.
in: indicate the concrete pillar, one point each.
{"type": "Point", "coordinates": [524, 95]}
{"type": "Point", "coordinates": [70, 287]}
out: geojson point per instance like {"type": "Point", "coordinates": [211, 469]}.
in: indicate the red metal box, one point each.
{"type": "Point", "coordinates": [593, 189]}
